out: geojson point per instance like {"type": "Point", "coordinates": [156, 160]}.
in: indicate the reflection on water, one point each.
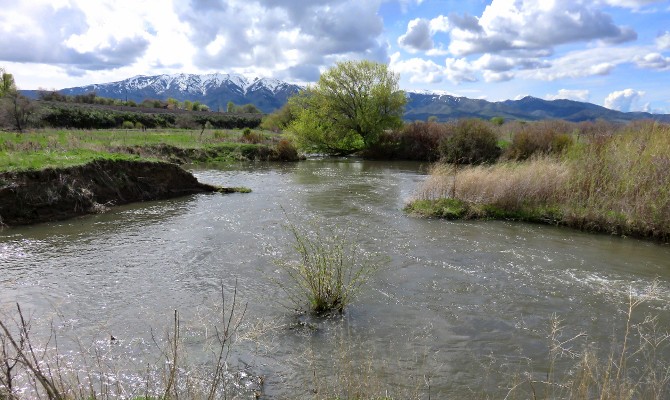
{"type": "Point", "coordinates": [454, 297]}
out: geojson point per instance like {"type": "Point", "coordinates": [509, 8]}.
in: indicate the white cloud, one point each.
{"type": "Point", "coordinates": [418, 70]}
{"type": "Point", "coordinates": [439, 24]}
{"type": "Point", "coordinates": [495, 63]}
{"type": "Point", "coordinates": [654, 61]}
{"type": "Point", "coordinates": [418, 36]}
{"type": "Point", "coordinates": [533, 26]}
{"type": "Point", "coordinates": [625, 100]}
{"type": "Point", "coordinates": [287, 38]}
{"type": "Point", "coordinates": [74, 36]}
{"type": "Point", "coordinates": [634, 4]}
{"type": "Point", "coordinates": [570, 94]}
{"type": "Point", "coordinates": [663, 41]}
{"type": "Point", "coordinates": [459, 70]}
{"type": "Point", "coordinates": [420, 32]}
{"type": "Point", "coordinates": [583, 63]}
{"type": "Point", "coordinates": [290, 39]}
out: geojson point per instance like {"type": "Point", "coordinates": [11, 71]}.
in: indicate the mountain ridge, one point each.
{"type": "Point", "coordinates": [268, 94]}
{"type": "Point", "coordinates": [215, 90]}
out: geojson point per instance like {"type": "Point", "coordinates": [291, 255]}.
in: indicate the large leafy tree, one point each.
{"type": "Point", "coordinates": [7, 85]}
{"type": "Point", "coordinates": [348, 108]}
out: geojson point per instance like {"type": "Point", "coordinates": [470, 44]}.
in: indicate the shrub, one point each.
{"type": "Point", "coordinates": [328, 272]}
{"type": "Point", "coordinates": [473, 142]}
{"type": "Point", "coordinates": [546, 137]}
{"type": "Point", "coordinates": [416, 141]}
{"type": "Point", "coordinates": [127, 125]}
{"type": "Point", "coordinates": [286, 151]}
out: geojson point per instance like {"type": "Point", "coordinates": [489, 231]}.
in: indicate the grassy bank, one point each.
{"type": "Point", "coordinates": [617, 184]}
{"type": "Point", "coordinates": [62, 148]}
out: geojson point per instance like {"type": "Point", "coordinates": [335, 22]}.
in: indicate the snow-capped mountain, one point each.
{"type": "Point", "coordinates": [422, 105]}
{"type": "Point", "coordinates": [215, 90]}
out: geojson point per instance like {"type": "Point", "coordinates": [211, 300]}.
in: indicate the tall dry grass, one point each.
{"type": "Point", "coordinates": [622, 182]}
{"type": "Point", "coordinates": [510, 185]}
{"type": "Point", "coordinates": [617, 183]}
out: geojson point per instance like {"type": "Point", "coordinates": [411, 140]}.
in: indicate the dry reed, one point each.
{"type": "Point", "coordinates": [616, 183]}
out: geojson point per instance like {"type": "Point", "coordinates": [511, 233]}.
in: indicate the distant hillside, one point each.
{"type": "Point", "coordinates": [216, 90]}
{"type": "Point", "coordinates": [421, 106]}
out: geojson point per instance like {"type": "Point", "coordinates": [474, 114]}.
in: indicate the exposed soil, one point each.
{"type": "Point", "coordinates": [28, 197]}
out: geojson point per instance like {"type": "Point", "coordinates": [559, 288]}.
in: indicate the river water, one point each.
{"type": "Point", "coordinates": [458, 309]}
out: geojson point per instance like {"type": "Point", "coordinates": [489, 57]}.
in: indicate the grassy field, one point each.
{"type": "Point", "coordinates": [60, 148]}
{"type": "Point", "coordinates": [617, 184]}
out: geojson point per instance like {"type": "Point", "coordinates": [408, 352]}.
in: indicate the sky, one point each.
{"type": "Point", "coordinates": [614, 53]}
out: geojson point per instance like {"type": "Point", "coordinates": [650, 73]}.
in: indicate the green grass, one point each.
{"type": "Point", "coordinates": [62, 148]}
{"type": "Point", "coordinates": [13, 161]}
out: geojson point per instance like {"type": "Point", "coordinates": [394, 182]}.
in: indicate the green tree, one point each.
{"type": "Point", "coordinates": [248, 109]}
{"type": "Point", "coordinates": [348, 108]}
{"type": "Point", "coordinates": [230, 107]}
{"type": "Point", "coordinates": [279, 120]}
{"type": "Point", "coordinates": [497, 121]}
{"type": "Point", "coordinates": [172, 103]}
{"type": "Point", "coordinates": [7, 84]}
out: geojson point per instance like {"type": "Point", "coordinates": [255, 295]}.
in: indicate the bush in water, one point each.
{"type": "Point", "coordinates": [328, 272]}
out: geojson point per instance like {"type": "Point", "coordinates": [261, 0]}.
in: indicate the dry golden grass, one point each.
{"type": "Point", "coordinates": [616, 183]}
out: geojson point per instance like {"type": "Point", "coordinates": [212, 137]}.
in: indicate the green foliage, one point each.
{"type": "Point", "coordinates": [328, 272]}
{"type": "Point", "coordinates": [497, 121]}
{"type": "Point", "coordinates": [441, 208]}
{"type": "Point", "coordinates": [473, 142]}
{"type": "Point", "coordinates": [127, 125]}
{"type": "Point", "coordinates": [80, 116]}
{"type": "Point", "coordinates": [248, 109]}
{"type": "Point", "coordinates": [244, 109]}
{"type": "Point", "coordinates": [351, 105]}
{"type": "Point", "coordinates": [279, 120]}
{"type": "Point", "coordinates": [7, 84]}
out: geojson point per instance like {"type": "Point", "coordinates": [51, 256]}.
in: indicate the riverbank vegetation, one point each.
{"type": "Point", "coordinates": [62, 148]}
{"type": "Point", "coordinates": [613, 182]}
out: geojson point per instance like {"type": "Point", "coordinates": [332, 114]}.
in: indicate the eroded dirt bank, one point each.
{"type": "Point", "coordinates": [28, 197]}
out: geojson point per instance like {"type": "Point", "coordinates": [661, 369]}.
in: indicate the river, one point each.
{"type": "Point", "coordinates": [458, 309]}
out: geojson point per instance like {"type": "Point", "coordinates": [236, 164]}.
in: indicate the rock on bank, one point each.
{"type": "Point", "coordinates": [28, 197]}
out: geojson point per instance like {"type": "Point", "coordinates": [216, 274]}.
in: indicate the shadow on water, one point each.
{"type": "Point", "coordinates": [454, 298]}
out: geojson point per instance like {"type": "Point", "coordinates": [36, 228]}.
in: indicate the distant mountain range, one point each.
{"type": "Point", "coordinates": [216, 90]}
{"type": "Point", "coordinates": [423, 105]}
